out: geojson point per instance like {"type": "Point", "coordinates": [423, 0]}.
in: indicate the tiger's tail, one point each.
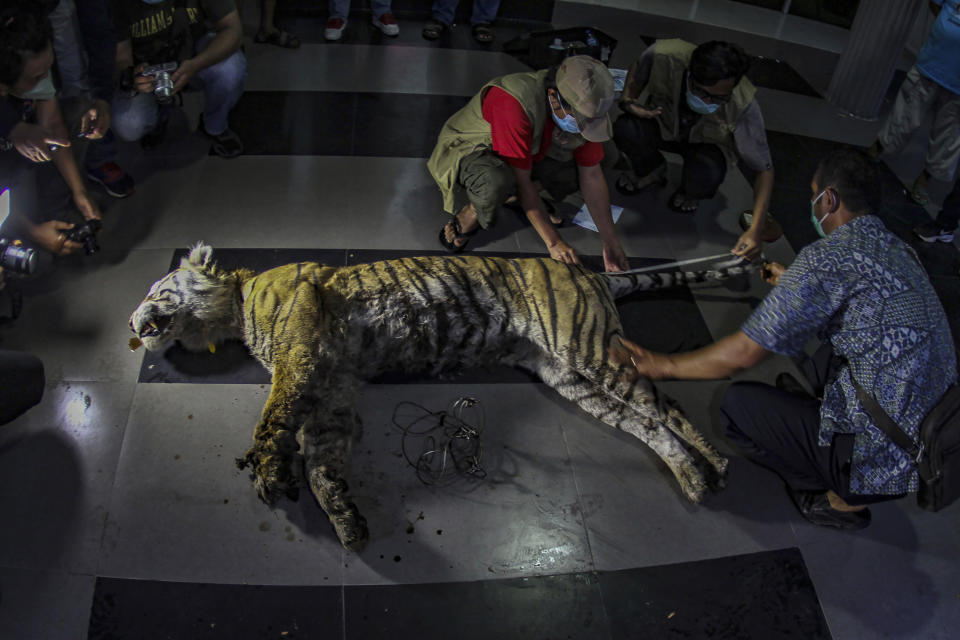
{"type": "Point", "coordinates": [675, 274]}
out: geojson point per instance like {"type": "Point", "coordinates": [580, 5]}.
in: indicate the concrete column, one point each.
{"type": "Point", "coordinates": [877, 37]}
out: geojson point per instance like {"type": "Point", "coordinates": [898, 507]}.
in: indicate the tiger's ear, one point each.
{"type": "Point", "coordinates": [201, 257]}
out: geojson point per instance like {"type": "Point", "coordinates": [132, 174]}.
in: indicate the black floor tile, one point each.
{"type": "Point", "coordinates": [667, 321]}
{"type": "Point", "coordinates": [765, 595]}
{"type": "Point", "coordinates": [147, 609]}
{"type": "Point", "coordinates": [401, 125]}
{"type": "Point", "coordinates": [325, 123]}
{"type": "Point", "coordinates": [564, 606]}
{"type": "Point", "coordinates": [319, 123]}
{"type": "Point", "coordinates": [360, 30]}
{"type": "Point", "coordinates": [536, 10]}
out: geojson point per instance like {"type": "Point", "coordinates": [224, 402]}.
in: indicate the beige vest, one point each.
{"type": "Point", "coordinates": [666, 89]}
{"type": "Point", "coordinates": [466, 131]}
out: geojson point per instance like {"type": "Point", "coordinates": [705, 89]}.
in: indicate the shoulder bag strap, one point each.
{"type": "Point", "coordinates": [883, 420]}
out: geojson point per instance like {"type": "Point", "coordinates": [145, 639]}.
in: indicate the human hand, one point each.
{"type": "Point", "coordinates": [613, 258]}
{"type": "Point", "coordinates": [643, 363]}
{"type": "Point", "coordinates": [748, 245]}
{"type": "Point", "coordinates": [96, 121]}
{"type": "Point", "coordinates": [635, 108]}
{"type": "Point", "coordinates": [562, 252]}
{"type": "Point", "coordinates": [52, 236]}
{"type": "Point", "coordinates": [143, 84]}
{"type": "Point", "coordinates": [771, 272]}
{"type": "Point", "coordinates": [88, 208]}
{"type": "Point", "coordinates": [33, 142]}
{"type": "Point", "coordinates": [184, 73]}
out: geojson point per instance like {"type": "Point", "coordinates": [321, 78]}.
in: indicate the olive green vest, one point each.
{"type": "Point", "coordinates": [665, 89]}
{"type": "Point", "coordinates": [466, 131]}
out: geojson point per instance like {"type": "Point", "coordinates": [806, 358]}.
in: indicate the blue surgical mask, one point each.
{"type": "Point", "coordinates": [697, 105]}
{"type": "Point", "coordinates": [817, 224]}
{"type": "Point", "coordinates": [568, 123]}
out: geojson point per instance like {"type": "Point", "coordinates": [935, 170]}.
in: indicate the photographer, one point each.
{"type": "Point", "coordinates": [203, 38]}
{"type": "Point", "coordinates": [21, 380]}
{"type": "Point", "coordinates": [32, 130]}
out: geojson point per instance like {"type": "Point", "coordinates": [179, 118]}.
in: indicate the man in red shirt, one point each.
{"type": "Point", "coordinates": [522, 133]}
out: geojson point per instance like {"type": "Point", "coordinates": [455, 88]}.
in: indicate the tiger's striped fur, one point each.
{"type": "Point", "coordinates": [321, 331]}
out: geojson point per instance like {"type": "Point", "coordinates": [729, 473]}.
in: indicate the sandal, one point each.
{"type": "Point", "coordinates": [919, 195]}
{"type": "Point", "coordinates": [680, 203]}
{"type": "Point", "coordinates": [482, 33]}
{"type": "Point", "coordinates": [452, 246]}
{"type": "Point", "coordinates": [629, 185]}
{"type": "Point", "coordinates": [279, 38]}
{"type": "Point", "coordinates": [433, 29]}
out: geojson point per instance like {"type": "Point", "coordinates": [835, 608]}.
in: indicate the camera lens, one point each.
{"type": "Point", "coordinates": [163, 88]}
{"type": "Point", "coordinates": [18, 259]}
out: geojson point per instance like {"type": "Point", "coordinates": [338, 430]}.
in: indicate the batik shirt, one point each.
{"type": "Point", "coordinates": [862, 289]}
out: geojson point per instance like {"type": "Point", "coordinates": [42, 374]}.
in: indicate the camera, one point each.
{"type": "Point", "coordinates": [163, 85]}
{"type": "Point", "coordinates": [86, 234]}
{"type": "Point", "coordinates": [17, 258]}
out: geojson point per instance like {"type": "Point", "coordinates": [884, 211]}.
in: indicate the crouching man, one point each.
{"type": "Point", "coordinates": [865, 294]}
{"type": "Point", "coordinates": [522, 133]}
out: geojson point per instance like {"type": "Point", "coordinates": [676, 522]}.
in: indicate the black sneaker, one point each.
{"type": "Point", "coordinates": [815, 507]}
{"type": "Point", "coordinates": [226, 144]}
{"type": "Point", "coordinates": [932, 232]}
{"type": "Point", "coordinates": [114, 180]}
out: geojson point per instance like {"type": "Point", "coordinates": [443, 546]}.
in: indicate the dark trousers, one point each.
{"type": "Point", "coordinates": [21, 383]}
{"type": "Point", "coordinates": [704, 166]}
{"type": "Point", "coordinates": [780, 430]}
{"type": "Point", "coordinates": [488, 181]}
{"type": "Point", "coordinates": [949, 216]}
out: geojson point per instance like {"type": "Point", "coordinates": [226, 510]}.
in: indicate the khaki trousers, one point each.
{"type": "Point", "coordinates": [918, 97]}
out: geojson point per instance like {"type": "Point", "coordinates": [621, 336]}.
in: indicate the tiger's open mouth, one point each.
{"type": "Point", "coordinates": [155, 327]}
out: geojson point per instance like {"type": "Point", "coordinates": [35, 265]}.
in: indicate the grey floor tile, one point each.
{"type": "Point", "coordinates": [44, 605]}
{"type": "Point", "coordinates": [522, 519]}
{"type": "Point", "coordinates": [75, 320]}
{"type": "Point", "coordinates": [895, 579]}
{"type": "Point", "coordinates": [182, 511]}
{"type": "Point", "coordinates": [57, 464]}
{"type": "Point", "coordinates": [636, 514]}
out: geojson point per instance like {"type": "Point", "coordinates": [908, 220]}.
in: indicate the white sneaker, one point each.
{"type": "Point", "coordinates": [335, 27]}
{"type": "Point", "coordinates": [388, 24]}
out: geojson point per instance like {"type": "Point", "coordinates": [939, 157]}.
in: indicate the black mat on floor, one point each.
{"type": "Point", "coordinates": [667, 320]}
{"type": "Point", "coordinates": [360, 30]}
{"type": "Point", "coordinates": [511, 10]}
{"type": "Point", "coordinates": [765, 595]}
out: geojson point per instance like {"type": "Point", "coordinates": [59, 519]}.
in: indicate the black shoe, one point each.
{"type": "Point", "coordinates": [815, 507]}
{"type": "Point", "coordinates": [153, 139]}
{"type": "Point", "coordinates": [786, 382]}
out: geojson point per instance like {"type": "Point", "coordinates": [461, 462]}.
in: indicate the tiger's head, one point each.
{"type": "Point", "coordinates": [196, 305]}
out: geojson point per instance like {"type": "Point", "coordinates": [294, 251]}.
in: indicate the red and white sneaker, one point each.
{"type": "Point", "coordinates": [387, 24]}
{"type": "Point", "coordinates": [335, 27]}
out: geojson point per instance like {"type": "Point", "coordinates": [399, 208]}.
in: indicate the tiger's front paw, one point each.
{"type": "Point", "coordinates": [271, 460]}
{"type": "Point", "coordinates": [351, 528]}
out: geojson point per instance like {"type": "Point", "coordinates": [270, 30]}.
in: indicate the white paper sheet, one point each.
{"type": "Point", "coordinates": [584, 220]}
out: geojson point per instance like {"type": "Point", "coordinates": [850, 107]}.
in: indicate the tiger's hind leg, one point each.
{"type": "Point", "coordinates": [326, 445]}
{"type": "Point", "coordinates": [641, 393]}
{"type": "Point", "coordinates": [647, 425]}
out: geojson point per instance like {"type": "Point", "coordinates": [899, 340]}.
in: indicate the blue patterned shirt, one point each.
{"type": "Point", "coordinates": [862, 289]}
